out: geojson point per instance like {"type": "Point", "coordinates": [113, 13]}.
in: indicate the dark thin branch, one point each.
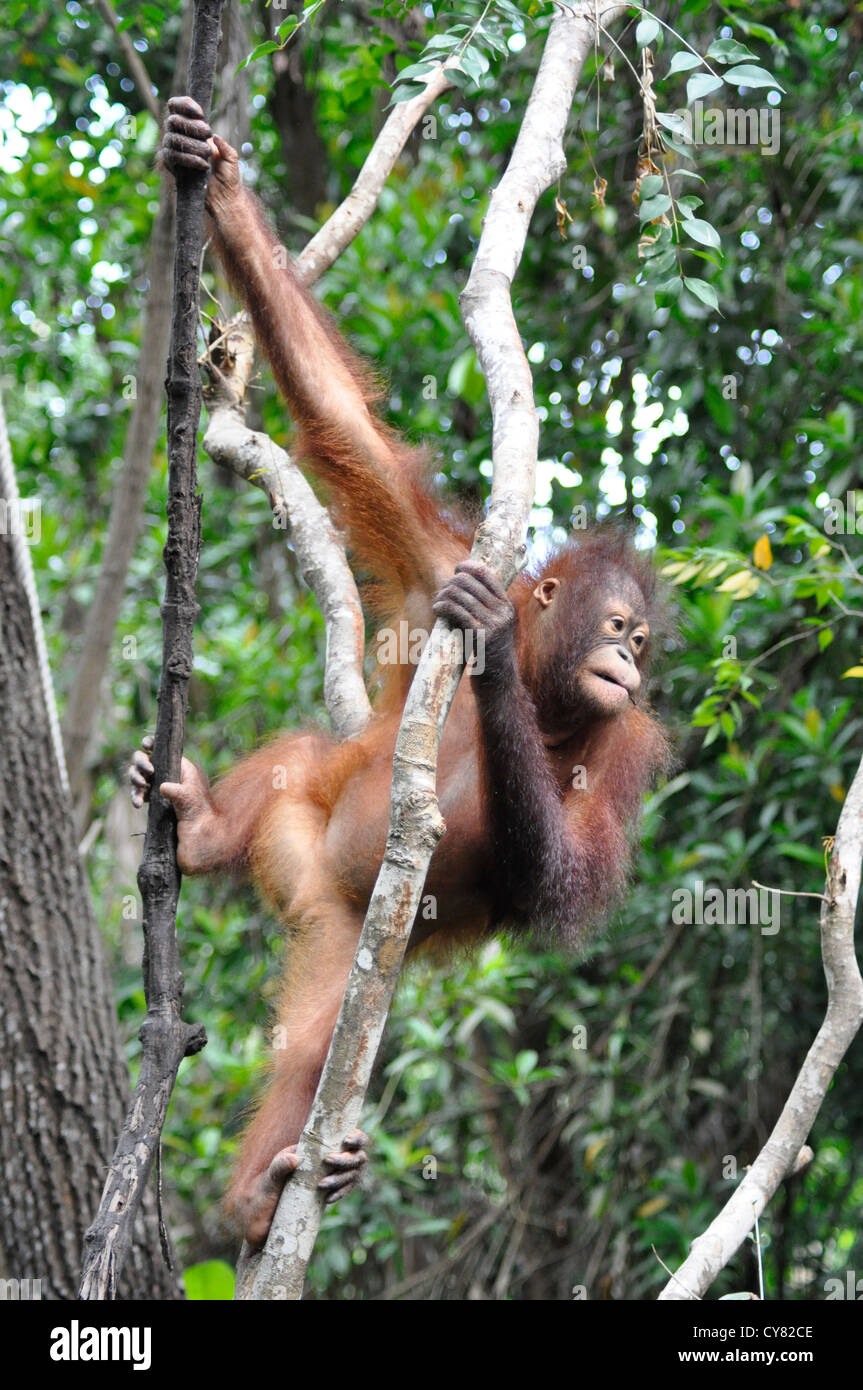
{"type": "Point", "coordinates": [165, 1037]}
{"type": "Point", "coordinates": [129, 489]}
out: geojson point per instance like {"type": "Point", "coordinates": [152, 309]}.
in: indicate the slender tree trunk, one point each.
{"type": "Point", "coordinates": [130, 490]}
{"type": "Point", "coordinates": [292, 106]}
{"type": "Point", "coordinates": [64, 1083]}
{"type": "Point", "coordinates": [130, 487]}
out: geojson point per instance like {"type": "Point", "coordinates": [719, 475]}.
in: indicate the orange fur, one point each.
{"type": "Point", "coordinates": [308, 816]}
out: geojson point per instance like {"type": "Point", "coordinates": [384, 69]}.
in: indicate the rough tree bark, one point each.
{"type": "Point", "coordinates": [64, 1084]}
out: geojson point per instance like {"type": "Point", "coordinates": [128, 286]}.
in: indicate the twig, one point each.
{"type": "Point", "coordinates": [687, 1292]}
{"type": "Point", "coordinates": [789, 892]}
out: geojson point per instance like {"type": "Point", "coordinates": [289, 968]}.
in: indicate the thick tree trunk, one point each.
{"type": "Point", "coordinates": [64, 1085]}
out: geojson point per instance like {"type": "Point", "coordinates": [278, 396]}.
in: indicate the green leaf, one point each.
{"type": "Point", "coordinates": [525, 1063]}
{"type": "Point", "coordinates": [651, 184]}
{"type": "Point", "coordinates": [672, 122]}
{"type": "Point", "coordinates": [660, 237]}
{"type": "Point", "coordinates": [683, 151]}
{"type": "Point", "coordinates": [763, 31]}
{"type": "Point", "coordinates": [807, 854]}
{"type": "Point", "coordinates": [653, 207]}
{"type": "Point", "coordinates": [702, 290]}
{"type": "Point", "coordinates": [647, 31]}
{"type": "Point", "coordinates": [670, 287]}
{"type": "Point", "coordinates": [705, 255]}
{"type": "Point", "coordinates": [654, 249]}
{"type": "Point", "coordinates": [414, 71]}
{"type": "Point", "coordinates": [512, 12]}
{"type": "Point", "coordinates": [729, 51]}
{"type": "Point", "coordinates": [269, 47]}
{"type": "Point", "coordinates": [701, 84]}
{"type": "Point", "coordinates": [701, 231]}
{"type": "Point", "coordinates": [749, 75]}
{"type": "Point", "coordinates": [475, 63]}
{"type": "Point", "coordinates": [723, 412]}
{"type": "Point", "coordinates": [406, 93]}
{"type": "Point", "coordinates": [660, 265]}
{"type": "Point", "coordinates": [495, 42]}
{"type": "Point", "coordinates": [405, 1060]}
{"type": "Point", "coordinates": [465, 378]}
{"type": "Point", "coordinates": [682, 62]}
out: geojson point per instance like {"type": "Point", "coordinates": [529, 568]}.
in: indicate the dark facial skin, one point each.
{"type": "Point", "coordinates": [609, 676]}
{"type": "Point", "coordinates": [591, 650]}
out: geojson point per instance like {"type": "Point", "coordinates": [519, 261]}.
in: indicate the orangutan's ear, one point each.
{"type": "Point", "coordinates": [545, 591]}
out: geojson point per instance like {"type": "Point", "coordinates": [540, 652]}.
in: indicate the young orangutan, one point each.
{"type": "Point", "coordinates": [546, 753]}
